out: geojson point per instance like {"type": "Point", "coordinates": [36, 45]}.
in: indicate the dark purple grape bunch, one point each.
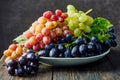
{"type": "Point", "coordinates": [27, 64]}
{"type": "Point", "coordinates": [111, 42]}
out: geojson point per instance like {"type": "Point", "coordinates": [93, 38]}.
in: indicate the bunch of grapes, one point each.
{"type": "Point", "coordinates": [27, 64]}
{"type": "Point", "coordinates": [14, 51]}
{"type": "Point", "coordinates": [48, 28]}
{"type": "Point", "coordinates": [78, 21]}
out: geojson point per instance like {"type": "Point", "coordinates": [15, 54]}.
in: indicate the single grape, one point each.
{"type": "Point", "coordinates": [61, 47]}
{"type": "Point", "coordinates": [53, 52]}
{"type": "Point", "coordinates": [111, 29]}
{"type": "Point", "coordinates": [48, 47]}
{"type": "Point", "coordinates": [54, 18]}
{"type": "Point", "coordinates": [12, 63]}
{"type": "Point", "coordinates": [31, 57]}
{"type": "Point", "coordinates": [47, 14]}
{"type": "Point", "coordinates": [95, 39]}
{"type": "Point", "coordinates": [112, 35]}
{"type": "Point", "coordinates": [27, 69]}
{"type": "Point", "coordinates": [79, 41]}
{"type": "Point", "coordinates": [75, 51]}
{"type": "Point", "coordinates": [11, 70]}
{"type": "Point", "coordinates": [46, 40]}
{"type": "Point", "coordinates": [83, 17]}
{"type": "Point", "coordinates": [98, 48]}
{"type": "Point", "coordinates": [22, 61]}
{"type": "Point", "coordinates": [87, 29]}
{"type": "Point", "coordinates": [67, 53]}
{"type": "Point", "coordinates": [42, 53]}
{"type": "Point", "coordinates": [58, 12]}
{"type": "Point", "coordinates": [83, 49]}
{"type": "Point", "coordinates": [69, 38]}
{"type": "Point", "coordinates": [90, 48]}
{"type": "Point", "coordinates": [77, 32]}
{"type": "Point", "coordinates": [85, 40]}
{"type": "Point", "coordinates": [19, 71]}
{"type": "Point", "coordinates": [82, 26]}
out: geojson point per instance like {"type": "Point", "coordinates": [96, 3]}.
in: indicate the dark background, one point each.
{"type": "Point", "coordinates": [17, 15]}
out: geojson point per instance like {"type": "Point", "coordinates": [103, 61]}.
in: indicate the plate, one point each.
{"type": "Point", "coordinates": [52, 61]}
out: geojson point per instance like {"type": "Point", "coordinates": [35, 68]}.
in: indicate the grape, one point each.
{"type": "Point", "coordinates": [47, 14]}
{"type": "Point", "coordinates": [112, 35]}
{"type": "Point", "coordinates": [36, 47]}
{"type": "Point", "coordinates": [87, 29]}
{"type": "Point", "coordinates": [53, 52]}
{"type": "Point", "coordinates": [50, 25]}
{"type": "Point", "coordinates": [45, 31]}
{"type": "Point", "coordinates": [12, 63]}
{"type": "Point", "coordinates": [60, 19]}
{"type": "Point", "coordinates": [19, 71]}
{"type": "Point", "coordinates": [48, 47]}
{"type": "Point", "coordinates": [77, 32]}
{"type": "Point", "coordinates": [52, 34]}
{"type": "Point", "coordinates": [27, 69]}
{"type": "Point", "coordinates": [32, 40]}
{"type": "Point", "coordinates": [82, 49]}
{"type": "Point", "coordinates": [68, 38]}
{"type": "Point", "coordinates": [90, 47]}
{"type": "Point", "coordinates": [46, 40]}
{"type": "Point", "coordinates": [65, 28]}
{"type": "Point", "coordinates": [39, 36]}
{"type": "Point", "coordinates": [83, 17]}
{"type": "Point", "coordinates": [112, 42]}
{"type": "Point", "coordinates": [75, 51]}
{"type": "Point", "coordinates": [42, 53]}
{"type": "Point", "coordinates": [27, 45]}
{"type": "Point", "coordinates": [31, 57]}
{"type": "Point", "coordinates": [63, 40]}
{"type": "Point", "coordinates": [64, 15]}
{"type": "Point", "coordinates": [89, 21]}
{"type": "Point", "coordinates": [79, 41]}
{"type": "Point", "coordinates": [85, 40]}
{"type": "Point", "coordinates": [67, 53]}
{"type": "Point", "coordinates": [58, 12]}
{"type": "Point", "coordinates": [111, 30]}
{"type": "Point", "coordinates": [22, 61]}
{"type": "Point", "coordinates": [54, 18]}
{"type": "Point", "coordinates": [61, 47]}
{"type": "Point", "coordinates": [95, 39]}
{"type": "Point", "coordinates": [71, 7]}
{"type": "Point", "coordinates": [58, 31]}
{"type": "Point", "coordinates": [11, 70]}
{"type": "Point", "coordinates": [98, 48]}
{"type": "Point", "coordinates": [82, 26]}
{"type": "Point", "coordinates": [13, 46]}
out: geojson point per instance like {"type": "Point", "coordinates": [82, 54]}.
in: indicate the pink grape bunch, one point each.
{"type": "Point", "coordinates": [48, 28]}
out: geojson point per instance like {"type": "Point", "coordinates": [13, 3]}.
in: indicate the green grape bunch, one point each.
{"type": "Point", "coordinates": [78, 21]}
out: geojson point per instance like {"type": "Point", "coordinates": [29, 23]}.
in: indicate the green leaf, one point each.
{"type": "Point", "coordinates": [20, 39]}
{"type": "Point", "coordinates": [100, 29]}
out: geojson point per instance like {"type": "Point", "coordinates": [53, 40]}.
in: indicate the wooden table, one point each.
{"type": "Point", "coordinates": [107, 68]}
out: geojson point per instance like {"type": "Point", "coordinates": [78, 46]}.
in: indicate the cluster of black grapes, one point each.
{"type": "Point", "coordinates": [111, 42]}
{"type": "Point", "coordinates": [27, 64]}
{"type": "Point", "coordinates": [83, 47]}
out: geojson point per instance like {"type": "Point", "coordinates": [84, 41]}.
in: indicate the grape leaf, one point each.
{"type": "Point", "coordinates": [100, 29]}
{"type": "Point", "coordinates": [20, 39]}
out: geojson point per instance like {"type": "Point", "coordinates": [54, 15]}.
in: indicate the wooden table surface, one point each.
{"type": "Point", "coordinates": [107, 68]}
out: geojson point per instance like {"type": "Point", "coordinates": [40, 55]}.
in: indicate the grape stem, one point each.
{"type": "Point", "coordinates": [90, 10]}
